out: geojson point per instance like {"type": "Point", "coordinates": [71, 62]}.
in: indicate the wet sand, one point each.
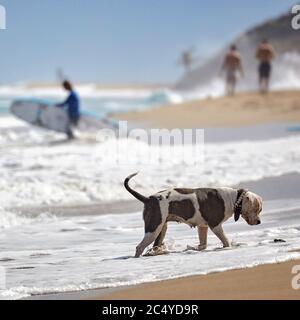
{"type": "Point", "coordinates": [272, 281]}
{"type": "Point", "coordinates": [264, 282]}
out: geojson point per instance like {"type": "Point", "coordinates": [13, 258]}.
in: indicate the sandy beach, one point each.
{"type": "Point", "coordinates": [244, 109]}
{"type": "Point", "coordinates": [271, 281]}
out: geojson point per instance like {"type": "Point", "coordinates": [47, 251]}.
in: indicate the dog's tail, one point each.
{"type": "Point", "coordinates": [134, 193]}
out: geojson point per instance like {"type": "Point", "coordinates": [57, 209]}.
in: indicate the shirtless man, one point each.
{"type": "Point", "coordinates": [232, 65]}
{"type": "Point", "coordinates": [265, 54]}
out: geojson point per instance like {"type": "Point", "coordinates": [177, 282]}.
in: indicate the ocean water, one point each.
{"type": "Point", "coordinates": [99, 102]}
{"type": "Point", "coordinates": [38, 169]}
{"type": "Point", "coordinates": [52, 254]}
{"type": "Point", "coordinates": [47, 253]}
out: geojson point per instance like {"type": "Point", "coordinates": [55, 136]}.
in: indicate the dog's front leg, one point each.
{"type": "Point", "coordinates": [218, 231]}
{"type": "Point", "coordinates": [202, 232]}
{"type": "Point", "coordinates": [148, 239]}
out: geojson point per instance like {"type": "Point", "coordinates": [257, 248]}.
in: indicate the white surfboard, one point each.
{"type": "Point", "coordinates": [49, 116]}
{"type": "Point", "coordinates": [90, 122]}
{"type": "Point", "coordinates": [41, 114]}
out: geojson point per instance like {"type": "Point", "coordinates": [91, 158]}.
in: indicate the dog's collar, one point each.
{"type": "Point", "coordinates": [239, 203]}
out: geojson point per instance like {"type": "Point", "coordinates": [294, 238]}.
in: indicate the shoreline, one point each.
{"type": "Point", "coordinates": [263, 282]}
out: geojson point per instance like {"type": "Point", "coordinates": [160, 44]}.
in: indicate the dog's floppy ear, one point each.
{"type": "Point", "coordinates": [260, 204]}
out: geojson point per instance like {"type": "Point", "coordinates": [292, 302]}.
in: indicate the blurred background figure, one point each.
{"type": "Point", "coordinates": [187, 59]}
{"type": "Point", "coordinates": [265, 54]}
{"type": "Point", "coordinates": [72, 105]}
{"type": "Point", "coordinates": [60, 75]}
{"type": "Point", "coordinates": [232, 66]}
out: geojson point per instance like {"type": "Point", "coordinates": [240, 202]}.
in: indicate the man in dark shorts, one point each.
{"type": "Point", "coordinates": [265, 54]}
{"type": "Point", "coordinates": [72, 105]}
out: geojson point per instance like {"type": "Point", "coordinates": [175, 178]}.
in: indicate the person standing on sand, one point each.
{"type": "Point", "coordinates": [73, 107]}
{"type": "Point", "coordinates": [265, 54]}
{"type": "Point", "coordinates": [232, 65]}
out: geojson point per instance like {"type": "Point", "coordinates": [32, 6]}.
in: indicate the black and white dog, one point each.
{"type": "Point", "coordinates": [201, 208]}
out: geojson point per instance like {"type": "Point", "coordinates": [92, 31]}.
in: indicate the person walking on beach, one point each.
{"type": "Point", "coordinates": [265, 54]}
{"type": "Point", "coordinates": [232, 66]}
{"type": "Point", "coordinates": [72, 105]}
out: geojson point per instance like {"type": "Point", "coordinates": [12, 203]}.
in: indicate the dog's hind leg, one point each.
{"type": "Point", "coordinates": [159, 240]}
{"type": "Point", "coordinates": [218, 231]}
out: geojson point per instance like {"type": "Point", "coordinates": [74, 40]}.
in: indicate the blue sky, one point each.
{"type": "Point", "coordinates": [119, 40]}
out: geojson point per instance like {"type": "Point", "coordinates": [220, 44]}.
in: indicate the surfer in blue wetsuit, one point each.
{"type": "Point", "coordinates": [72, 105]}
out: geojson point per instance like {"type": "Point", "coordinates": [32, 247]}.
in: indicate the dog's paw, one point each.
{"type": "Point", "coordinates": [195, 248]}
{"type": "Point", "coordinates": [222, 248]}
{"type": "Point", "coordinates": [155, 251]}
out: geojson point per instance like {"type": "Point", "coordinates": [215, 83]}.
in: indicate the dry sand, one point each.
{"type": "Point", "coordinates": [272, 281]}
{"type": "Point", "coordinates": [240, 110]}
